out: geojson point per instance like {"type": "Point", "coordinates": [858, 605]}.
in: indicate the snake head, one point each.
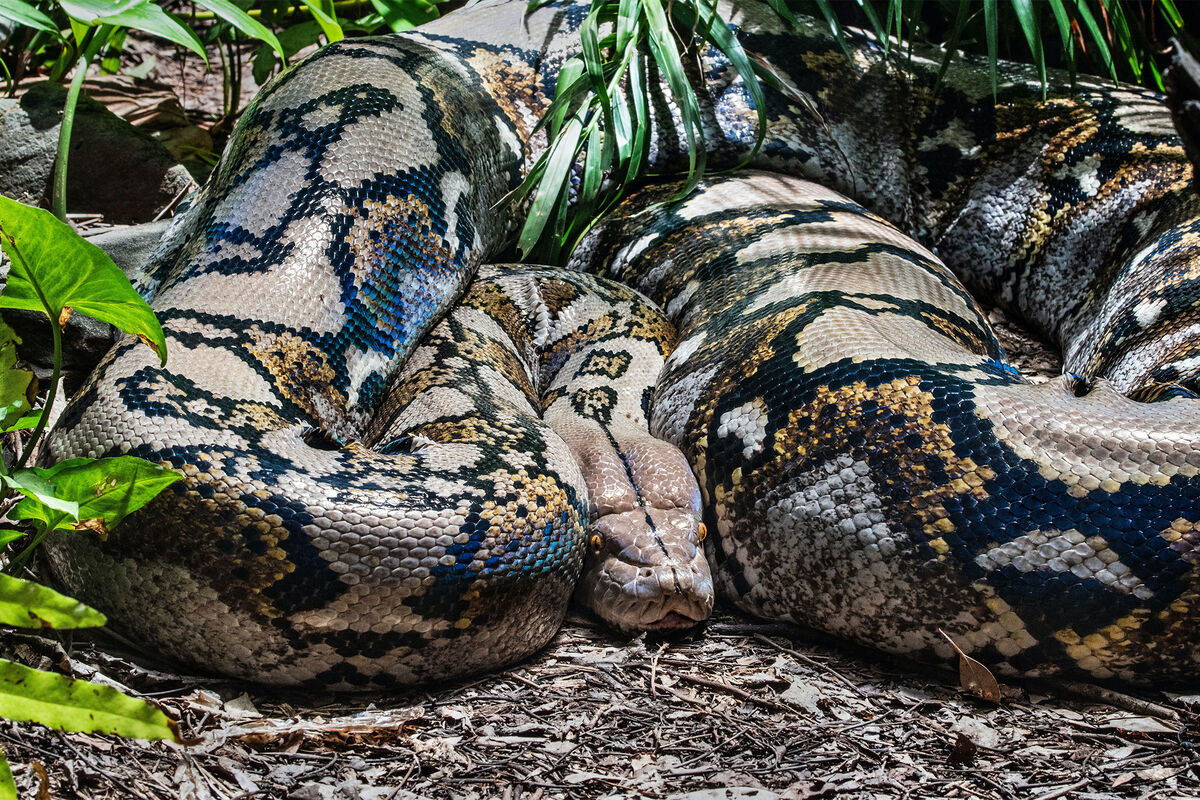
{"type": "Point", "coordinates": [645, 570]}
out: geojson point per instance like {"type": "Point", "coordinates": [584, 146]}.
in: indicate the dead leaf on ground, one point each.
{"type": "Point", "coordinates": [962, 751]}
{"type": "Point", "coordinates": [973, 676]}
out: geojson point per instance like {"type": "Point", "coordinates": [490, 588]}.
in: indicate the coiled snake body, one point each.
{"type": "Point", "coordinates": [366, 507]}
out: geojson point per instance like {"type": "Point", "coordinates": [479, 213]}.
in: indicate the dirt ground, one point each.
{"type": "Point", "coordinates": [739, 709]}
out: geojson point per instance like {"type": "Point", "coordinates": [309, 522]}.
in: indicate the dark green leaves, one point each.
{"type": "Point", "coordinates": [103, 491]}
{"type": "Point", "coordinates": [1118, 37]}
{"type": "Point", "coordinates": [597, 123]}
{"type": "Point", "coordinates": [55, 270]}
{"type": "Point", "coordinates": [16, 385]}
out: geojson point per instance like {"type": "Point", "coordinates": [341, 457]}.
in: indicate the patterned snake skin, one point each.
{"type": "Point", "coordinates": [364, 506]}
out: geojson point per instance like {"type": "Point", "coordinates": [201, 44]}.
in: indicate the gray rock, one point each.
{"type": "Point", "coordinates": [114, 169]}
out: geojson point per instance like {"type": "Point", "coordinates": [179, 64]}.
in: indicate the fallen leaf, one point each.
{"type": "Point", "coordinates": [973, 676]}
{"type": "Point", "coordinates": [962, 751]}
{"type": "Point", "coordinates": [1138, 724]}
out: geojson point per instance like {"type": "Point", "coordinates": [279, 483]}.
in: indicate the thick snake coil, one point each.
{"type": "Point", "coordinates": [364, 506]}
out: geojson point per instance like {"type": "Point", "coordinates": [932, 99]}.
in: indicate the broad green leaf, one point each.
{"type": "Point", "coordinates": [39, 493]}
{"type": "Point", "coordinates": [89, 11]}
{"type": "Point", "coordinates": [154, 20]}
{"type": "Point", "coordinates": [245, 23]}
{"type": "Point", "coordinates": [25, 604]}
{"type": "Point", "coordinates": [30, 420]}
{"type": "Point", "coordinates": [402, 15]}
{"type": "Point", "coordinates": [327, 21]}
{"type": "Point", "coordinates": [68, 704]}
{"type": "Point", "coordinates": [9, 535]}
{"type": "Point", "coordinates": [70, 272]}
{"type": "Point", "coordinates": [16, 385]}
{"type": "Point", "coordinates": [104, 491]}
{"type": "Point", "coordinates": [23, 13]}
{"type": "Point", "coordinates": [8, 787]}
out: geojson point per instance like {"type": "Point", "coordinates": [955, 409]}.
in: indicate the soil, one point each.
{"type": "Point", "coordinates": [737, 709]}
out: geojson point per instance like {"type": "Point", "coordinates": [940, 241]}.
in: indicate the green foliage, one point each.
{"type": "Point", "coordinates": [69, 704]}
{"type": "Point", "coordinates": [602, 101]}
{"type": "Point", "coordinates": [54, 271]}
{"type": "Point", "coordinates": [1120, 38]}
{"type": "Point", "coordinates": [17, 387]}
{"type": "Point", "coordinates": [595, 124]}
{"type": "Point", "coordinates": [25, 604]}
{"type": "Point", "coordinates": [94, 285]}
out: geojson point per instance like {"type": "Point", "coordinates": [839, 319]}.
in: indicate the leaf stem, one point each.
{"type": "Point", "coordinates": [91, 45]}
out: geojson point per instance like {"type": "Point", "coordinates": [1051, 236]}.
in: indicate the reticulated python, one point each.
{"type": "Point", "coordinates": [366, 506]}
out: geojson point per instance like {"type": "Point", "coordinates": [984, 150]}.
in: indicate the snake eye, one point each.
{"type": "Point", "coordinates": [703, 532]}
{"type": "Point", "coordinates": [596, 541]}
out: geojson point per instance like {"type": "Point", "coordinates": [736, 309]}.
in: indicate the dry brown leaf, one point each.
{"type": "Point", "coordinates": [94, 524]}
{"type": "Point", "coordinates": [973, 676]}
{"type": "Point", "coordinates": [962, 751]}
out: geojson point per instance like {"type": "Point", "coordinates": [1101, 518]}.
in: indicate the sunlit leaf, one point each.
{"type": "Point", "coordinates": [107, 489]}
{"type": "Point", "coordinates": [68, 704]}
{"type": "Point", "coordinates": [23, 13]}
{"type": "Point", "coordinates": [25, 604]}
{"type": "Point", "coordinates": [70, 272]}
{"type": "Point", "coordinates": [230, 13]}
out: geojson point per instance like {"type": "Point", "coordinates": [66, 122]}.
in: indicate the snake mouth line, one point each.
{"type": "Point", "coordinates": [672, 621]}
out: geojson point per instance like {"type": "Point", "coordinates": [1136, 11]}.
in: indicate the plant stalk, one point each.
{"type": "Point", "coordinates": [59, 202]}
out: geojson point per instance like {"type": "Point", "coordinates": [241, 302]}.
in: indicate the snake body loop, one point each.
{"type": "Point", "coordinates": [394, 474]}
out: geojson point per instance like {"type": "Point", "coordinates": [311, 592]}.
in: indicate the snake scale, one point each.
{"type": "Point", "coordinates": [383, 458]}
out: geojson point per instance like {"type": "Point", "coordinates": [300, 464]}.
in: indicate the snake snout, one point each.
{"type": "Point", "coordinates": [646, 570]}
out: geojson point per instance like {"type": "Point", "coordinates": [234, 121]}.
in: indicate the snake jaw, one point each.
{"type": "Point", "coordinates": [650, 574]}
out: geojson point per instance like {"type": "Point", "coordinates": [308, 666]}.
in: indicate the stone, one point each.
{"type": "Point", "coordinates": [114, 169]}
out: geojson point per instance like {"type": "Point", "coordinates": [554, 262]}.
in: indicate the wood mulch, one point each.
{"type": "Point", "coordinates": [741, 709]}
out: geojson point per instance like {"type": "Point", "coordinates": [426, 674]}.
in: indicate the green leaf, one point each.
{"type": "Point", "coordinates": [70, 272]}
{"type": "Point", "coordinates": [326, 19]}
{"type": "Point", "coordinates": [39, 493]}
{"type": "Point", "coordinates": [103, 490]}
{"type": "Point", "coordinates": [24, 14]}
{"type": "Point", "coordinates": [1093, 27]}
{"type": "Point", "coordinates": [9, 535]}
{"type": "Point", "coordinates": [89, 11]}
{"type": "Point", "coordinates": [17, 386]}
{"type": "Point", "coordinates": [154, 20]}
{"type": "Point", "coordinates": [8, 787]}
{"type": "Point", "coordinates": [1028, 17]}
{"type": "Point", "coordinates": [68, 704]}
{"type": "Point", "coordinates": [403, 15]}
{"type": "Point", "coordinates": [245, 23]}
{"type": "Point", "coordinates": [28, 421]}
{"type": "Point", "coordinates": [25, 604]}
{"type": "Point", "coordinates": [559, 159]}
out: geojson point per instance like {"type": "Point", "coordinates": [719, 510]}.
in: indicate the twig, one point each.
{"type": "Point", "coordinates": [1091, 691]}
